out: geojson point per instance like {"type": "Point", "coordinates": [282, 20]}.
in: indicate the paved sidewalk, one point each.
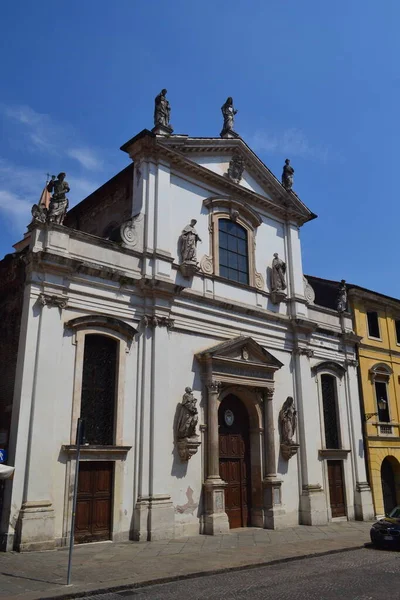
{"type": "Point", "coordinates": [108, 566]}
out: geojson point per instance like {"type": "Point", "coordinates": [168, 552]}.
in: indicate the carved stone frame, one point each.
{"type": "Point", "coordinates": [123, 334]}
{"type": "Point", "coordinates": [226, 208]}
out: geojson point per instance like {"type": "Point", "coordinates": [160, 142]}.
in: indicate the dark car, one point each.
{"type": "Point", "coordinates": [386, 531]}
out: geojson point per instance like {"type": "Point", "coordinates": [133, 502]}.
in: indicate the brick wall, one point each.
{"type": "Point", "coordinates": [108, 206]}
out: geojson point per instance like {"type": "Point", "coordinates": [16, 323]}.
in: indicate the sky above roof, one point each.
{"type": "Point", "coordinates": [315, 82]}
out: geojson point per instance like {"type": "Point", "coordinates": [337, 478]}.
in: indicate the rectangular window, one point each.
{"type": "Point", "coordinates": [331, 422]}
{"type": "Point", "coordinates": [397, 325]}
{"type": "Point", "coordinates": [373, 324]}
{"type": "Point", "coordinates": [233, 255]}
{"type": "Point", "coordinates": [99, 389]}
{"type": "Point", "coordinates": [382, 401]}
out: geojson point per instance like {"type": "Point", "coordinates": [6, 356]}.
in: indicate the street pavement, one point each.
{"type": "Point", "coordinates": [366, 574]}
{"type": "Point", "coordinates": [108, 566]}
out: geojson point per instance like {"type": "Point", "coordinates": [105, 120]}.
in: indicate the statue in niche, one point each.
{"type": "Point", "coordinates": [236, 168]}
{"type": "Point", "coordinates": [228, 112]}
{"type": "Point", "coordinates": [188, 416]}
{"type": "Point", "coordinates": [188, 243]}
{"type": "Point", "coordinates": [278, 283]}
{"type": "Point", "coordinates": [288, 422]}
{"type": "Point", "coordinates": [162, 112]}
{"type": "Point", "coordinates": [59, 202]}
{"type": "Point", "coordinates": [342, 296]}
{"type": "Point", "coordinates": [287, 175]}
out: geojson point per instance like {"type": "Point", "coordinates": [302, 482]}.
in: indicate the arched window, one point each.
{"type": "Point", "coordinates": [329, 404]}
{"type": "Point", "coordinates": [233, 251]}
{"type": "Point", "coordinates": [98, 397]}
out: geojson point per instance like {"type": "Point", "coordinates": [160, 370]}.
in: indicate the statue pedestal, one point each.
{"type": "Point", "coordinates": [289, 450]}
{"type": "Point", "coordinates": [278, 296]}
{"type": "Point", "coordinates": [229, 134]}
{"type": "Point", "coordinates": [189, 268]}
{"type": "Point", "coordinates": [162, 130]}
{"type": "Point", "coordinates": [187, 447]}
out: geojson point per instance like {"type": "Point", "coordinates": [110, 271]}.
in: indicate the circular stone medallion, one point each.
{"type": "Point", "coordinates": [229, 417]}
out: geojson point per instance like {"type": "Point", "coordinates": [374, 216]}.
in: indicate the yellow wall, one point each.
{"type": "Point", "coordinates": [373, 351]}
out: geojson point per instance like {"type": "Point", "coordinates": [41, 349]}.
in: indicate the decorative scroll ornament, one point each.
{"type": "Point", "coordinates": [53, 300]}
{"type": "Point", "coordinates": [309, 293]}
{"type": "Point", "coordinates": [287, 427]}
{"type": "Point", "coordinates": [259, 281]}
{"type": "Point", "coordinates": [236, 168]}
{"type": "Point", "coordinates": [206, 265]}
{"type": "Point", "coordinates": [188, 441]}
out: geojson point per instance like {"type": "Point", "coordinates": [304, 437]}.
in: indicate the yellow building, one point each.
{"type": "Point", "coordinates": [377, 323]}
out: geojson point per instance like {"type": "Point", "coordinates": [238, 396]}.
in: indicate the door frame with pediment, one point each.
{"type": "Point", "coordinates": [242, 367]}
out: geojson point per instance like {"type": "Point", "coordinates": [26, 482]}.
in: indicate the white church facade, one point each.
{"type": "Point", "coordinates": [162, 280]}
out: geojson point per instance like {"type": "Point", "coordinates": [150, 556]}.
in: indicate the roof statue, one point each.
{"type": "Point", "coordinates": [162, 114]}
{"type": "Point", "coordinates": [228, 112]}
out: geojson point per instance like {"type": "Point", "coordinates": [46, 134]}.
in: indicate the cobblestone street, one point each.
{"type": "Point", "coordinates": [117, 566]}
{"type": "Point", "coordinates": [366, 574]}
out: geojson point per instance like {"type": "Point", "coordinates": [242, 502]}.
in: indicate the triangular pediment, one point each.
{"type": "Point", "coordinates": [243, 350]}
{"type": "Point", "coordinates": [216, 154]}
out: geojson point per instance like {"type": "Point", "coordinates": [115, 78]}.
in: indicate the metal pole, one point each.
{"type": "Point", "coordinates": [79, 432]}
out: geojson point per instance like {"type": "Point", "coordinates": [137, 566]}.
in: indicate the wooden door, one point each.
{"type": "Point", "coordinates": [336, 488]}
{"type": "Point", "coordinates": [234, 460]}
{"type": "Point", "coordinates": [388, 486]}
{"type": "Point", "coordinates": [94, 500]}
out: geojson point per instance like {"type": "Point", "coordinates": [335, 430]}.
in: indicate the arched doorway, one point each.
{"type": "Point", "coordinates": [388, 486]}
{"type": "Point", "coordinates": [234, 460]}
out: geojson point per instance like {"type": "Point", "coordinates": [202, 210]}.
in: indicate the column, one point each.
{"type": "Point", "coordinates": [273, 510]}
{"type": "Point", "coordinates": [216, 519]}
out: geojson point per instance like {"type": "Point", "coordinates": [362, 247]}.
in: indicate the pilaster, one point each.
{"type": "Point", "coordinates": [216, 520]}
{"type": "Point", "coordinates": [274, 513]}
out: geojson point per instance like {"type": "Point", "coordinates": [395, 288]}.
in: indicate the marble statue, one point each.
{"type": "Point", "coordinates": [228, 113]}
{"type": "Point", "coordinates": [278, 283]}
{"type": "Point", "coordinates": [188, 416]}
{"type": "Point", "coordinates": [188, 243]}
{"type": "Point", "coordinates": [162, 110]}
{"type": "Point", "coordinates": [342, 296]}
{"type": "Point", "coordinates": [287, 175]}
{"type": "Point", "coordinates": [288, 421]}
{"type": "Point", "coordinates": [59, 202]}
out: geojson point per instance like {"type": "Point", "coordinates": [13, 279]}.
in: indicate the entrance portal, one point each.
{"type": "Point", "coordinates": [336, 488]}
{"type": "Point", "coordinates": [234, 460]}
{"type": "Point", "coordinates": [388, 486]}
{"type": "Point", "coordinates": [93, 507]}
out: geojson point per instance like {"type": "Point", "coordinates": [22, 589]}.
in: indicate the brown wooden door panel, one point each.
{"type": "Point", "coordinates": [94, 501]}
{"type": "Point", "coordinates": [235, 463]}
{"type": "Point", "coordinates": [336, 488]}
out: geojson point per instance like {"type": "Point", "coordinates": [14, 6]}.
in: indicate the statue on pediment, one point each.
{"type": "Point", "coordinates": [342, 296]}
{"type": "Point", "coordinates": [287, 175]}
{"type": "Point", "coordinates": [278, 282]}
{"type": "Point", "coordinates": [162, 114]}
{"type": "Point", "coordinates": [228, 112]}
{"type": "Point", "coordinates": [58, 188]}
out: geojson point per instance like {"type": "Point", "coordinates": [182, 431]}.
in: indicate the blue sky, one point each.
{"type": "Point", "coordinates": [314, 81]}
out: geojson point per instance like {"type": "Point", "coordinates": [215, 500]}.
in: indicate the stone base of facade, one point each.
{"type": "Point", "coordinates": [216, 520]}
{"type": "Point", "coordinates": [363, 505]}
{"type": "Point", "coordinates": [154, 519]}
{"type": "Point", "coordinates": [274, 513]}
{"type": "Point", "coordinates": [35, 527]}
{"type": "Point", "coordinates": [313, 506]}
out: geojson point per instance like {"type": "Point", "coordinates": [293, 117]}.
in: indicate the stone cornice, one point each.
{"type": "Point", "coordinates": [377, 300]}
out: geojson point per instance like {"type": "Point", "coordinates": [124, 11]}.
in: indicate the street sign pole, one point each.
{"type": "Point", "coordinates": [79, 438]}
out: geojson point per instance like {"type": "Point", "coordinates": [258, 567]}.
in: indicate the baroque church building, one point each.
{"type": "Point", "coordinates": [170, 312]}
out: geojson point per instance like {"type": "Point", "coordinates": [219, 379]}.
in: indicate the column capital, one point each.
{"type": "Point", "coordinates": [213, 386]}
{"type": "Point", "coordinates": [269, 393]}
